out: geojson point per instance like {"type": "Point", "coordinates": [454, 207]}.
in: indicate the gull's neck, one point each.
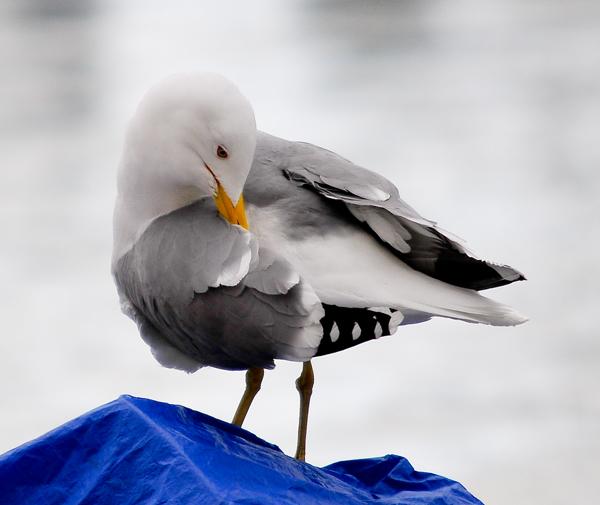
{"type": "Point", "coordinates": [144, 194]}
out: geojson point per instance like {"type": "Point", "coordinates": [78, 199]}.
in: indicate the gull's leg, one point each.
{"type": "Point", "coordinates": [254, 377]}
{"type": "Point", "coordinates": [304, 385]}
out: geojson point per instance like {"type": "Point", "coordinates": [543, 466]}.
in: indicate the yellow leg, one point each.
{"type": "Point", "coordinates": [304, 385]}
{"type": "Point", "coordinates": [254, 377]}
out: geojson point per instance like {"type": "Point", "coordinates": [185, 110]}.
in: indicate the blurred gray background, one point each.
{"type": "Point", "coordinates": [485, 114]}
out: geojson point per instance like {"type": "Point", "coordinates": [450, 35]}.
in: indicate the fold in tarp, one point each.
{"type": "Point", "coordinates": [135, 450]}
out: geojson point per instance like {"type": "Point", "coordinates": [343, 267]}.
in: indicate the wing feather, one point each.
{"type": "Point", "coordinates": [203, 293]}
{"type": "Point", "coordinates": [376, 203]}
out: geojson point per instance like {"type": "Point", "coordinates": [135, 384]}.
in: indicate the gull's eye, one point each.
{"type": "Point", "coordinates": [221, 152]}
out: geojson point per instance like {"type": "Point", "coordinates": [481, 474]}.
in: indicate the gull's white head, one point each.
{"type": "Point", "coordinates": [198, 127]}
{"type": "Point", "coordinates": [192, 136]}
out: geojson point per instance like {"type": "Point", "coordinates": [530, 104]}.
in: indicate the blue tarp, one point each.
{"type": "Point", "coordinates": [135, 450]}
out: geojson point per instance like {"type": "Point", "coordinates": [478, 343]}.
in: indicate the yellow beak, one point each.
{"type": "Point", "coordinates": [234, 214]}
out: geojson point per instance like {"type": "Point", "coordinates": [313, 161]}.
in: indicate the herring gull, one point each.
{"type": "Point", "coordinates": [234, 248]}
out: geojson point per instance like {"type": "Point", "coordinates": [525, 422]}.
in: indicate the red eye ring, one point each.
{"type": "Point", "coordinates": [222, 153]}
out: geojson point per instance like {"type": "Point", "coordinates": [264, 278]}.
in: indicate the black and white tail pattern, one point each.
{"type": "Point", "coordinates": [345, 327]}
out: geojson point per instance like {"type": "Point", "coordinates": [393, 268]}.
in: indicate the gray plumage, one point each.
{"type": "Point", "coordinates": [372, 200]}
{"type": "Point", "coordinates": [182, 283]}
{"type": "Point", "coordinates": [204, 292]}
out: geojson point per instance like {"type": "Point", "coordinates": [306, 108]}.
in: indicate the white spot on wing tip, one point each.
{"type": "Point", "coordinates": [355, 331]}
{"type": "Point", "coordinates": [334, 334]}
{"type": "Point", "coordinates": [378, 330]}
{"type": "Point", "coordinates": [395, 321]}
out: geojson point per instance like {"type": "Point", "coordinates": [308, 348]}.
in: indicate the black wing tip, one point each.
{"type": "Point", "coordinates": [460, 269]}
{"type": "Point", "coordinates": [501, 275]}
{"type": "Point", "coordinates": [345, 327]}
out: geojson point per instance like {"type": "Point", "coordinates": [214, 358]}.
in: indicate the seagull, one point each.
{"type": "Point", "coordinates": [234, 248]}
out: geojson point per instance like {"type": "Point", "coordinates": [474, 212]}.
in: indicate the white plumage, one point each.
{"type": "Point", "coordinates": [234, 248]}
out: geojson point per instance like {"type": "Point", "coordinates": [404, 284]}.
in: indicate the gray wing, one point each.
{"type": "Point", "coordinates": [202, 293]}
{"type": "Point", "coordinates": [375, 202]}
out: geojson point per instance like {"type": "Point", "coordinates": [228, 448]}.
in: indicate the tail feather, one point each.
{"type": "Point", "coordinates": [467, 305]}
{"type": "Point", "coordinates": [496, 314]}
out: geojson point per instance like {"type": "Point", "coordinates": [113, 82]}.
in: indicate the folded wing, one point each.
{"type": "Point", "coordinates": [375, 202]}
{"type": "Point", "coordinates": [202, 293]}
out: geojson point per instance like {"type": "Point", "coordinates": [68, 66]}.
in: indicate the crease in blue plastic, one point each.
{"type": "Point", "coordinates": [135, 450]}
